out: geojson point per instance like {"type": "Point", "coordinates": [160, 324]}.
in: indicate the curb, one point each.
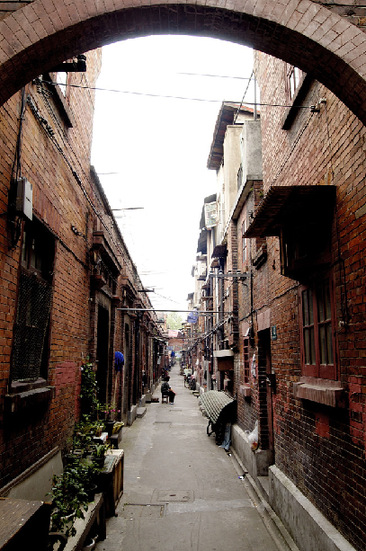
{"type": "Point", "coordinates": [272, 522]}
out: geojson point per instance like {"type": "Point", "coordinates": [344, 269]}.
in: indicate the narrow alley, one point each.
{"type": "Point", "coordinates": [183, 492]}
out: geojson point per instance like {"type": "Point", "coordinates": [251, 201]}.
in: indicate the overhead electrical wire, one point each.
{"type": "Point", "coordinates": [242, 99]}
{"type": "Point", "coordinates": [146, 94]}
{"type": "Point", "coordinates": [214, 76]}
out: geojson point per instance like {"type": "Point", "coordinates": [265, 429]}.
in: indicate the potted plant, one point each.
{"type": "Point", "coordinates": [109, 411]}
{"type": "Point", "coordinates": [90, 472]}
{"type": "Point", "coordinates": [69, 499]}
{"type": "Point", "coordinates": [116, 437]}
{"type": "Point", "coordinates": [99, 454]}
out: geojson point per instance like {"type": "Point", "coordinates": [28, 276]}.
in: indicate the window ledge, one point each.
{"type": "Point", "coordinates": [22, 386]}
{"type": "Point", "coordinates": [28, 399]}
{"type": "Point", "coordinates": [322, 391]}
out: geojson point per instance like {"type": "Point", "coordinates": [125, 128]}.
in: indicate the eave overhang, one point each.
{"type": "Point", "coordinates": [284, 206]}
{"type": "Point", "coordinates": [226, 117]}
{"type": "Point", "coordinates": [220, 251]}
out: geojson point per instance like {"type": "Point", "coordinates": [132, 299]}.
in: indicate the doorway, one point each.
{"type": "Point", "coordinates": [127, 372]}
{"type": "Point", "coordinates": [103, 331]}
{"type": "Point", "coordinates": [266, 391]}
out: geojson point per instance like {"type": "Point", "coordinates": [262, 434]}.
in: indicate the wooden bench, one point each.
{"type": "Point", "coordinates": [24, 524]}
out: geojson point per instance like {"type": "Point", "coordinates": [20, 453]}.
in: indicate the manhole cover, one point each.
{"type": "Point", "coordinates": [169, 496]}
{"type": "Point", "coordinates": [133, 511]}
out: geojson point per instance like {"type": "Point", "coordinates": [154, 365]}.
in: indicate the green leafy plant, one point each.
{"type": "Point", "coordinates": [69, 498]}
{"type": "Point", "coordinates": [99, 453]}
{"type": "Point", "coordinates": [100, 450]}
{"type": "Point", "coordinates": [89, 391]}
{"type": "Point", "coordinates": [82, 438]}
{"type": "Point", "coordinates": [73, 489]}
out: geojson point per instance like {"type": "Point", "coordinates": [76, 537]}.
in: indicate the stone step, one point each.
{"type": "Point", "coordinates": [141, 412]}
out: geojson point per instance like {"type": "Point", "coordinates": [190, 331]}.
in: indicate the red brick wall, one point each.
{"type": "Point", "coordinates": [69, 200]}
{"type": "Point", "coordinates": [48, 162]}
{"type": "Point", "coordinates": [321, 449]}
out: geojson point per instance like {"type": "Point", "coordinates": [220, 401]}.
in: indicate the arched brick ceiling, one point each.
{"type": "Point", "coordinates": [42, 33]}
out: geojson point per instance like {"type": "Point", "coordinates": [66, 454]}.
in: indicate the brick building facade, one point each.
{"type": "Point", "coordinates": [65, 274]}
{"type": "Point", "coordinates": [316, 301]}
{"type": "Point", "coordinates": [289, 276]}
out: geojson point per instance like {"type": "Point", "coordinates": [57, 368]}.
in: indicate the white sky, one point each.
{"type": "Point", "coordinates": [158, 148]}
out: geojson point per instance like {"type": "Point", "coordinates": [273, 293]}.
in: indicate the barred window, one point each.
{"type": "Point", "coordinates": [30, 351]}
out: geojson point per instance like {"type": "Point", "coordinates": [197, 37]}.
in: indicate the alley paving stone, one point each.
{"type": "Point", "coordinates": [182, 491]}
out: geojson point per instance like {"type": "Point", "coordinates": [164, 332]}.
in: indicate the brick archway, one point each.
{"type": "Point", "coordinates": [43, 33]}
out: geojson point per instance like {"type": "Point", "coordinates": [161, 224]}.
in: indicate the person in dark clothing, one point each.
{"type": "Point", "coordinates": [167, 389]}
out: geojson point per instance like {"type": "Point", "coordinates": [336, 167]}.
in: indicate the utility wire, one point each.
{"type": "Point", "coordinates": [242, 100]}
{"type": "Point", "coordinates": [175, 97]}
{"type": "Point", "coordinates": [214, 76]}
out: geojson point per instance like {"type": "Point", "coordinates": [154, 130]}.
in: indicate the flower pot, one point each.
{"type": "Point", "coordinates": [109, 427]}
{"type": "Point", "coordinates": [99, 461]}
{"type": "Point", "coordinates": [91, 492]}
{"type": "Point", "coordinates": [98, 431]}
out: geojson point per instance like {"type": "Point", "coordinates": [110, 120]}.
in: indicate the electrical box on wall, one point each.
{"type": "Point", "coordinates": [24, 201]}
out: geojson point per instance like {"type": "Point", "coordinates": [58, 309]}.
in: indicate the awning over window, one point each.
{"type": "Point", "coordinates": [220, 251]}
{"type": "Point", "coordinates": [218, 406]}
{"type": "Point", "coordinates": [292, 205]}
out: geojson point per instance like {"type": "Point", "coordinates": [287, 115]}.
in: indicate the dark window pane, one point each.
{"type": "Point", "coordinates": [309, 346]}
{"type": "Point", "coordinates": [330, 344]}
{"type": "Point", "coordinates": [323, 345]}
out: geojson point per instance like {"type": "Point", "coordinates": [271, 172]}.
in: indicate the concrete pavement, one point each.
{"type": "Point", "coordinates": [183, 492]}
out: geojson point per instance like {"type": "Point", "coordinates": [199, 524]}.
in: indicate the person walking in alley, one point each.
{"type": "Point", "coordinates": [167, 389]}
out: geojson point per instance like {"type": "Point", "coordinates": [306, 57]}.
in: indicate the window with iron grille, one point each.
{"type": "Point", "coordinates": [30, 350]}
